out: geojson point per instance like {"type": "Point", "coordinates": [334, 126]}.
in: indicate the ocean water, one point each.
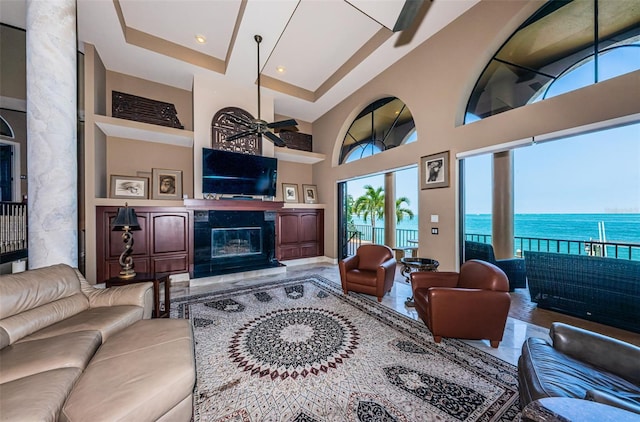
{"type": "Point", "coordinates": [623, 228]}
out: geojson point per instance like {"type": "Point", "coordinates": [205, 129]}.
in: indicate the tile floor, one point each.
{"type": "Point", "coordinates": [516, 331]}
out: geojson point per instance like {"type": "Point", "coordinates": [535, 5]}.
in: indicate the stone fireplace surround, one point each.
{"type": "Point", "coordinates": [233, 236]}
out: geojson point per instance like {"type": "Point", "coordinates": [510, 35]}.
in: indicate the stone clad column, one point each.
{"type": "Point", "coordinates": [390, 209]}
{"type": "Point", "coordinates": [52, 132]}
{"type": "Point", "coordinates": [503, 205]}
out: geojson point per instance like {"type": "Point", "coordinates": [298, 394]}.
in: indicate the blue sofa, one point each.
{"type": "Point", "coordinates": [605, 290]}
{"type": "Point", "coordinates": [514, 268]}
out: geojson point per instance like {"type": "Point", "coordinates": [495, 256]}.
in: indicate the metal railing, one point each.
{"type": "Point", "coordinates": [13, 231]}
{"type": "Point", "coordinates": [402, 235]}
{"type": "Point", "coordinates": [362, 233]}
{"type": "Point", "coordinates": [620, 250]}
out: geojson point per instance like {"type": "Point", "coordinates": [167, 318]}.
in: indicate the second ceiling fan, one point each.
{"type": "Point", "coordinates": [258, 126]}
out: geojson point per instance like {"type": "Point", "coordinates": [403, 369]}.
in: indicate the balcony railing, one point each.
{"type": "Point", "coordinates": [620, 250]}
{"type": "Point", "coordinates": [362, 233]}
{"type": "Point", "coordinates": [13, 231]}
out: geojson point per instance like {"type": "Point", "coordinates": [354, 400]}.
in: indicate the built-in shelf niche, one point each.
{"type": "Point", "coordinates": [129, 129]}
{"type": "Point", "coordinates": [297, 156]}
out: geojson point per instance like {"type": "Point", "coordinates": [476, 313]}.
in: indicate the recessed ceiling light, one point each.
{"type": "Point", "coordinates": [201, 39]}
{"type": "Point", "coordinates": [281, 69]}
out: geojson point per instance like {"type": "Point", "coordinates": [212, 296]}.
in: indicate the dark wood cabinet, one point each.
{"type": "Point", "coordinates": [300, 233]}
{"type": "Point", "coordinates": [163, 243]}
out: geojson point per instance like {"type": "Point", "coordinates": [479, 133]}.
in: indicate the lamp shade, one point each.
{"type": "Point", "coordinates": [126, 217]}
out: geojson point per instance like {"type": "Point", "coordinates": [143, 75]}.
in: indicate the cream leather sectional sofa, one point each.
{"type": "Point", "coordinates": [73, 352]}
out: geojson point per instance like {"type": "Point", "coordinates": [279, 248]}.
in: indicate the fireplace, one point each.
{"type": "Point", "coordinates": [237, 241]}
{"type": "Point", "coordinates": [233, 241]}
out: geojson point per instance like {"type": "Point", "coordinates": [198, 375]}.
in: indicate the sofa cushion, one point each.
{"type": "Point", "coordinates": [155, 373]}
{"type": "Point", "coordinates": [107, 320]}
{"type": "Point", "coordinates": [550, 373]}
{"type": "Point", "coordinates": [38, 397]}
{"type": "Point", "coordinates": [33, 320]}
{"type": "Point", "coordinates": [51, 284]}
{"type": "Point", "coordinates": [37, 298]}
{"type": "Point", "coordinates": [71, 350]}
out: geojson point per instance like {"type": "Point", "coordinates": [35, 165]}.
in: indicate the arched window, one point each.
{"type": "Point", "coordinates": [383, 124]}
{"type": "Point", "coordinates": [565, 45]}
{"type": "Point", "coordinates": [5, 128]}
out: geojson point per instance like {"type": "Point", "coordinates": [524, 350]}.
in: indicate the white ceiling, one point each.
{"type": "Point", "coordinates": [329, 48]}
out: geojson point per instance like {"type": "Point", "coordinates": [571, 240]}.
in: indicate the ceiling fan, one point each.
{"type": "Point", "coordinates": [408, 14]}
{"type": "Point", "coordinates": [259, 126]}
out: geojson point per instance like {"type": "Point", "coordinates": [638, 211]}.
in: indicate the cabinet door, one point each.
{"type": "Point", "coordinates": [115, 245]}
{"type": "Point", "coordinates": [170, 233]}
{"type": "Point", "coordinates": [308, 227]}
{"type": "Point", "coordinates": [300, 234]}
{"type": "Point", "coordinates": [288, 229]}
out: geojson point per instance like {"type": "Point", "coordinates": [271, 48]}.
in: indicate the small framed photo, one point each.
{"type": "Point", "coordinates": [167, 184]}
{"type": "Point", "coordinates": [434, 171]}
{"type": "Point", "coordinates": [290, 192]}
{"type": "Point", "coordinates": [310, 193]}
{"type": "Point", "coordinates": [129, 187]}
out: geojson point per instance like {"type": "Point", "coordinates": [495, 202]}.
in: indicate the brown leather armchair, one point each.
{"type": "Point", "coordinates": [370, 271]}
{"type": "Point", "coordinates": [473, 304]}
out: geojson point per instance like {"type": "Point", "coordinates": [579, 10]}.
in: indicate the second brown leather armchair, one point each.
{"type": "Point", "coordinates": [370, 271]}
{"type": "Point", "coordinates": [473, 304]}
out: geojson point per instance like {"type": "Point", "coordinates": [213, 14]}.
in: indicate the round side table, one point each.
{"type": "Point", "coordinates": [416, 264]}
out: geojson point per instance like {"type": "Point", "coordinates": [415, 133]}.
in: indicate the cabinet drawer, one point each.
{"type": "Point", "coordinates": [289, 253]}
{"type": "Point", "coordinates": [174, 263]}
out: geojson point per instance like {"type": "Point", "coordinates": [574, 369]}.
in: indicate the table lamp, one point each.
{"type": "Point", "coordinates": [125, 221]}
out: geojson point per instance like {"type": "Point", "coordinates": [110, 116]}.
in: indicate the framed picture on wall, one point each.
{"type": "Point", "coordinates": [434, 171]}
{"type": "Point", "coordinates": [290, 192]}
{"type": "Point", "coordinates": [128, 187]}
{"type": "Point", "coordinates": [310, 193]}
{"type": "Point", "coordinates": [167, 184]}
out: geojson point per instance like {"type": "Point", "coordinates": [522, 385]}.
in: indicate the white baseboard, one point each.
{"type": "Point", "coordinates": [236, 276]}
{"type": "Point", "coordinates": [307, 261]}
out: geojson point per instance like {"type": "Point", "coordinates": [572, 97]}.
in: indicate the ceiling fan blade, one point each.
{"type": "Point", "coordinates": [240, 135]}
{"type": "Point", "coordinates": [275, 139]}
{"type": "Point", "coordinates": [282, 123]}
{"type": "Point", "coordinates": [407, 14]}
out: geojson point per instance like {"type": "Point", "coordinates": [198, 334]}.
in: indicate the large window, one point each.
{"type": "Point", "coordinates": [565, 46]}
{"type": "Point", "coordinates": [383, 124]}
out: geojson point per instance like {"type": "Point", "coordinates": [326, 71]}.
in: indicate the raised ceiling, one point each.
{"type": "Point", "coordinates": [328, 48]}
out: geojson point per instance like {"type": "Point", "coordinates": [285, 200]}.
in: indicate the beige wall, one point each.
{"type": "Point", "coordinates": [13, 56]}
{"type": "Point", "coordinates": [127, 157]}
{"type": "Point", "coordinates": [299, 174]}
{"type": "Point", "coordinates": [435, 82]}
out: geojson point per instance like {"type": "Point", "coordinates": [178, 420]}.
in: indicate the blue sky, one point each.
{"type": "Point", "coordinates": [592, 173]}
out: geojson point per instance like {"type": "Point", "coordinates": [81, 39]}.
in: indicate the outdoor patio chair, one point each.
{"type": "Point", "coordinates": [514, 268]}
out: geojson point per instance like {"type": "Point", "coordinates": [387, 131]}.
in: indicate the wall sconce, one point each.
{"type": "Point", "coordinates": [125, 221]}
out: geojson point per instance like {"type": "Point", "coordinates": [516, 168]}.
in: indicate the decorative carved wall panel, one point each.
{"type": "Point", "coordinates": [297, 140]}
{"type": "Point", "coordinates": [145, 110]}
{"type": "Point", "coordinates": [224, 125]}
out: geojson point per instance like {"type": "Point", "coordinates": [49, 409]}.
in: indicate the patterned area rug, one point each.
{"type": "Point", "coordinates": [299, 350]}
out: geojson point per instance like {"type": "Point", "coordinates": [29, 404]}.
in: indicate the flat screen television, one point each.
{"type": "Point", "coordinates": [232, 173]}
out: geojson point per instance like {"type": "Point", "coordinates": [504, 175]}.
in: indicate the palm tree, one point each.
{"type": "Point", "coordinates": [402, 212]}
{"type": "Point", "coordinates": [370, 205]}
{"type": "Point", "coordinates": [350, 212]}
